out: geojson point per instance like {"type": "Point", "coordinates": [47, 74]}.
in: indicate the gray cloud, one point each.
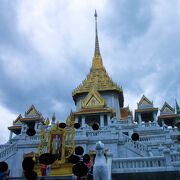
{"type": "Point", "coordinates": [46, 50]}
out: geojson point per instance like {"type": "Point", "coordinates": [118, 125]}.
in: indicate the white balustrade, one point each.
{"type": "Point", "coordinates": [93, 133]}
{"type": "Point", "coordinates": [79, 133]}
{"type": "Point", "coordinates": [3, 146]}
{"type": "Point", "coordinates": [32, 138]}
{"type": "Point", "coordinates": [136, 146]}
{"type": "Point", "coordinates": [153, 138]}
{"type": "Point", "coordinates": [132, 164]}
{"type": "Point", "coordinates": [175, 157]}
{"type": "Point", "coordinates": [11, 149]}
{"type": "Point", "coordinates": [98, 133]}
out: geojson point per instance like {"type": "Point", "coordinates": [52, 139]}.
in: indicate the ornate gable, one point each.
{"type": "Point", "coordinates": [17, 121]}
{"type": "Point", "coordinates": [167, 108]}
{"type": "Point", "coordinates": [32, 112]}
{"type": "Point", "coordinates": [93, 99]}
{"type": "Point", "coordinates": [145, 101]}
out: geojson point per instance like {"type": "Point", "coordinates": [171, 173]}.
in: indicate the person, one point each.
{"type": "Point", "coordinates": [55, 145]}
{"type": "Point", "coordinates": [43, 169]}
{"type": "Point", "coordinates": [5, 175]}
{"type": "Point", "coordinates": [48, 170]}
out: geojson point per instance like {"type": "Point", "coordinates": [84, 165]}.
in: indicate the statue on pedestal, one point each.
{"type": "Point", "coordinates": [100, 169]}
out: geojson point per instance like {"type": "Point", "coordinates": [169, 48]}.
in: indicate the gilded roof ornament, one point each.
{"type": "Point", "coordinates": [97, 60]}
{"type": "Point", "coordinates": [98, 77]}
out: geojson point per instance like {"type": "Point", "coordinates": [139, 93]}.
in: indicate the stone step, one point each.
{"type": "Point", "coordinates": [45, 178]}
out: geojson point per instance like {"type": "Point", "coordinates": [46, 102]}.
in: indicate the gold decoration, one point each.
{"type": "Point", "coordinates": [34, 158]}
{"type": "Point", "coordinates": [54, 132]}
{"type": "Point", "coordinates": [17, 121]}
{"type": "Point", "coordinates": [167, 108]}
{"type": "Point", "coordinates": [99, 79]}
{"type": "Point", "coordinates": [93, 99]}
{"type": "Point", "coordinates": [32, 112]}
{"type": "Point", "coordinates": [42, 141]}
{"type": "Point", "coordinates": [98, 76]}
{"type": "Point", "coordinates": [47, 122]}
{"type": "Point", "coordinates": [145, 101]}
{"type": "Point", "coordinates": [70, 133]}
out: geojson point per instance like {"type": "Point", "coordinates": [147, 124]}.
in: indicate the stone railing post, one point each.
{"type": "Point", "coordinates": [161, 150]}
{"type": "Point", "coordinates": [167, 156]}
{"type": "Point", "coordinates": [109, 156]}
{"type": "Point", "coordinates": [129, 119]}
{"type": "Point", "coordinates": [150, 151]}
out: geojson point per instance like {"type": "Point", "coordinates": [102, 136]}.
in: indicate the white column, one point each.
{"type": "Point", "coordinates": [101, 120]}
{"type": "Point", "coordinates": [10, 136]}
{"type": "Point", "coordinates": [108, 119]}
{"type": "Point", "coordinates": [129, 119]}
{"type": "Point", "coordinates": [83, 121]}
{"type": "Point", "coordinates": [154, 118]}
{"type": "Point", "coordinates": [76, 119]}
{"type": "Point", "coordinates": [139, 119]}
{"type": "Point", "coordinates": [167, 156]}
{"type": "Point", "coordinates": [109, 164]}
{"type": "Point", "coordinates": [24, 127]}
{"type": "Point", "coordinates": [36, 125]}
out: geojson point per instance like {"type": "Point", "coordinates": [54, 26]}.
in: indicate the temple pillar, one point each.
{"type": "Point", "coordinates": [167, 156]}
{"type": "Point", "coordinates": [36, 125]}
{"type": "Point", "coordinates": [129, 119]}
{"type": "Point", "coordinates": [83, 121]}
{"type": "Point", "coordinates": [76, 119]}
{"type": "Point", "coordinates": [24, 128]}
{"type": "Point", "coordinates": [108, 119]}
{"type": "Point", "coordinates": [163, 124]}
{"type": "Point", "coordinates": [109, 156]}
{"type": "Point", "coordinates": [139, 119]}
{"type": "Point", "coordinates": [101, 120]}
{"type": "Point", "coordinates": [154, 118]}
{"type": "Point", "coordinates": [10, 136]}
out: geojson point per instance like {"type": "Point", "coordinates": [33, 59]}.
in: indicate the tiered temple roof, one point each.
{"type": "Point", "coordinates": [17, 125]}
{"type": "Point", "coordinates": [98, 78]}
{"type": "Point", "coordinates": [167, 114]}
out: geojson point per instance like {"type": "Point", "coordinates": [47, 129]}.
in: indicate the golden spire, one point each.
{"type": "Point", "coordinates": [97, 60]}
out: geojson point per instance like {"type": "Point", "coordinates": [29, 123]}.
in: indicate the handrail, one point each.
{"type": "Point", "coordinates": [119, 164]}
{"type": "Point", "coordinates": [175, 156]}
{"type": "Point", "coordinates": [11, 149]}
{"type": "Point", "coordinates": [153, 138]}
{"type": "Point", "coordinates": [32, 138]}
{"type": "Point", "coordinates": [138, 147]}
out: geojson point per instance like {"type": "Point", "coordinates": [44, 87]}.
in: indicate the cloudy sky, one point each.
{"type": "Point", "coordinates": [46, 50]}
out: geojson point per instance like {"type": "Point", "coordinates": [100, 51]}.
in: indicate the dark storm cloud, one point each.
{"type": "Point", "coordinates": [46, 51]}
{"type": "Point", "coordinates": [128, 19]}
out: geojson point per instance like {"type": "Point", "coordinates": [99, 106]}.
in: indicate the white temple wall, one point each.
{"type": "Point", "coordinates": [112, 102]}
{"type": "Point", "coordinates": [123, 152]}
{"type": "Point", "coordinates": [79, 102]}
{"type": "Point", "coordinates": [111, 99]}
{"type": "Point", "coordinates": [15, 161]}
{"type": "Point", "coordinates": [13, 165]}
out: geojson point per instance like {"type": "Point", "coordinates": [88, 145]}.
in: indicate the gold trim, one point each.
{"type": "Point", "coordinates": [57, 130]}
{"type": "Point", "coordinates": [93, 95]}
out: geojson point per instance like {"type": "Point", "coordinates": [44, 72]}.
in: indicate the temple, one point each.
{"type": "Point", "coordinates": [143, 143]}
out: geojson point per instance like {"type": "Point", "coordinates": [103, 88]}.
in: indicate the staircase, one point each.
{"type": "Point", "coordinates": [8, 151]}
{"type": "Point", "coordinates": [135, 146]}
